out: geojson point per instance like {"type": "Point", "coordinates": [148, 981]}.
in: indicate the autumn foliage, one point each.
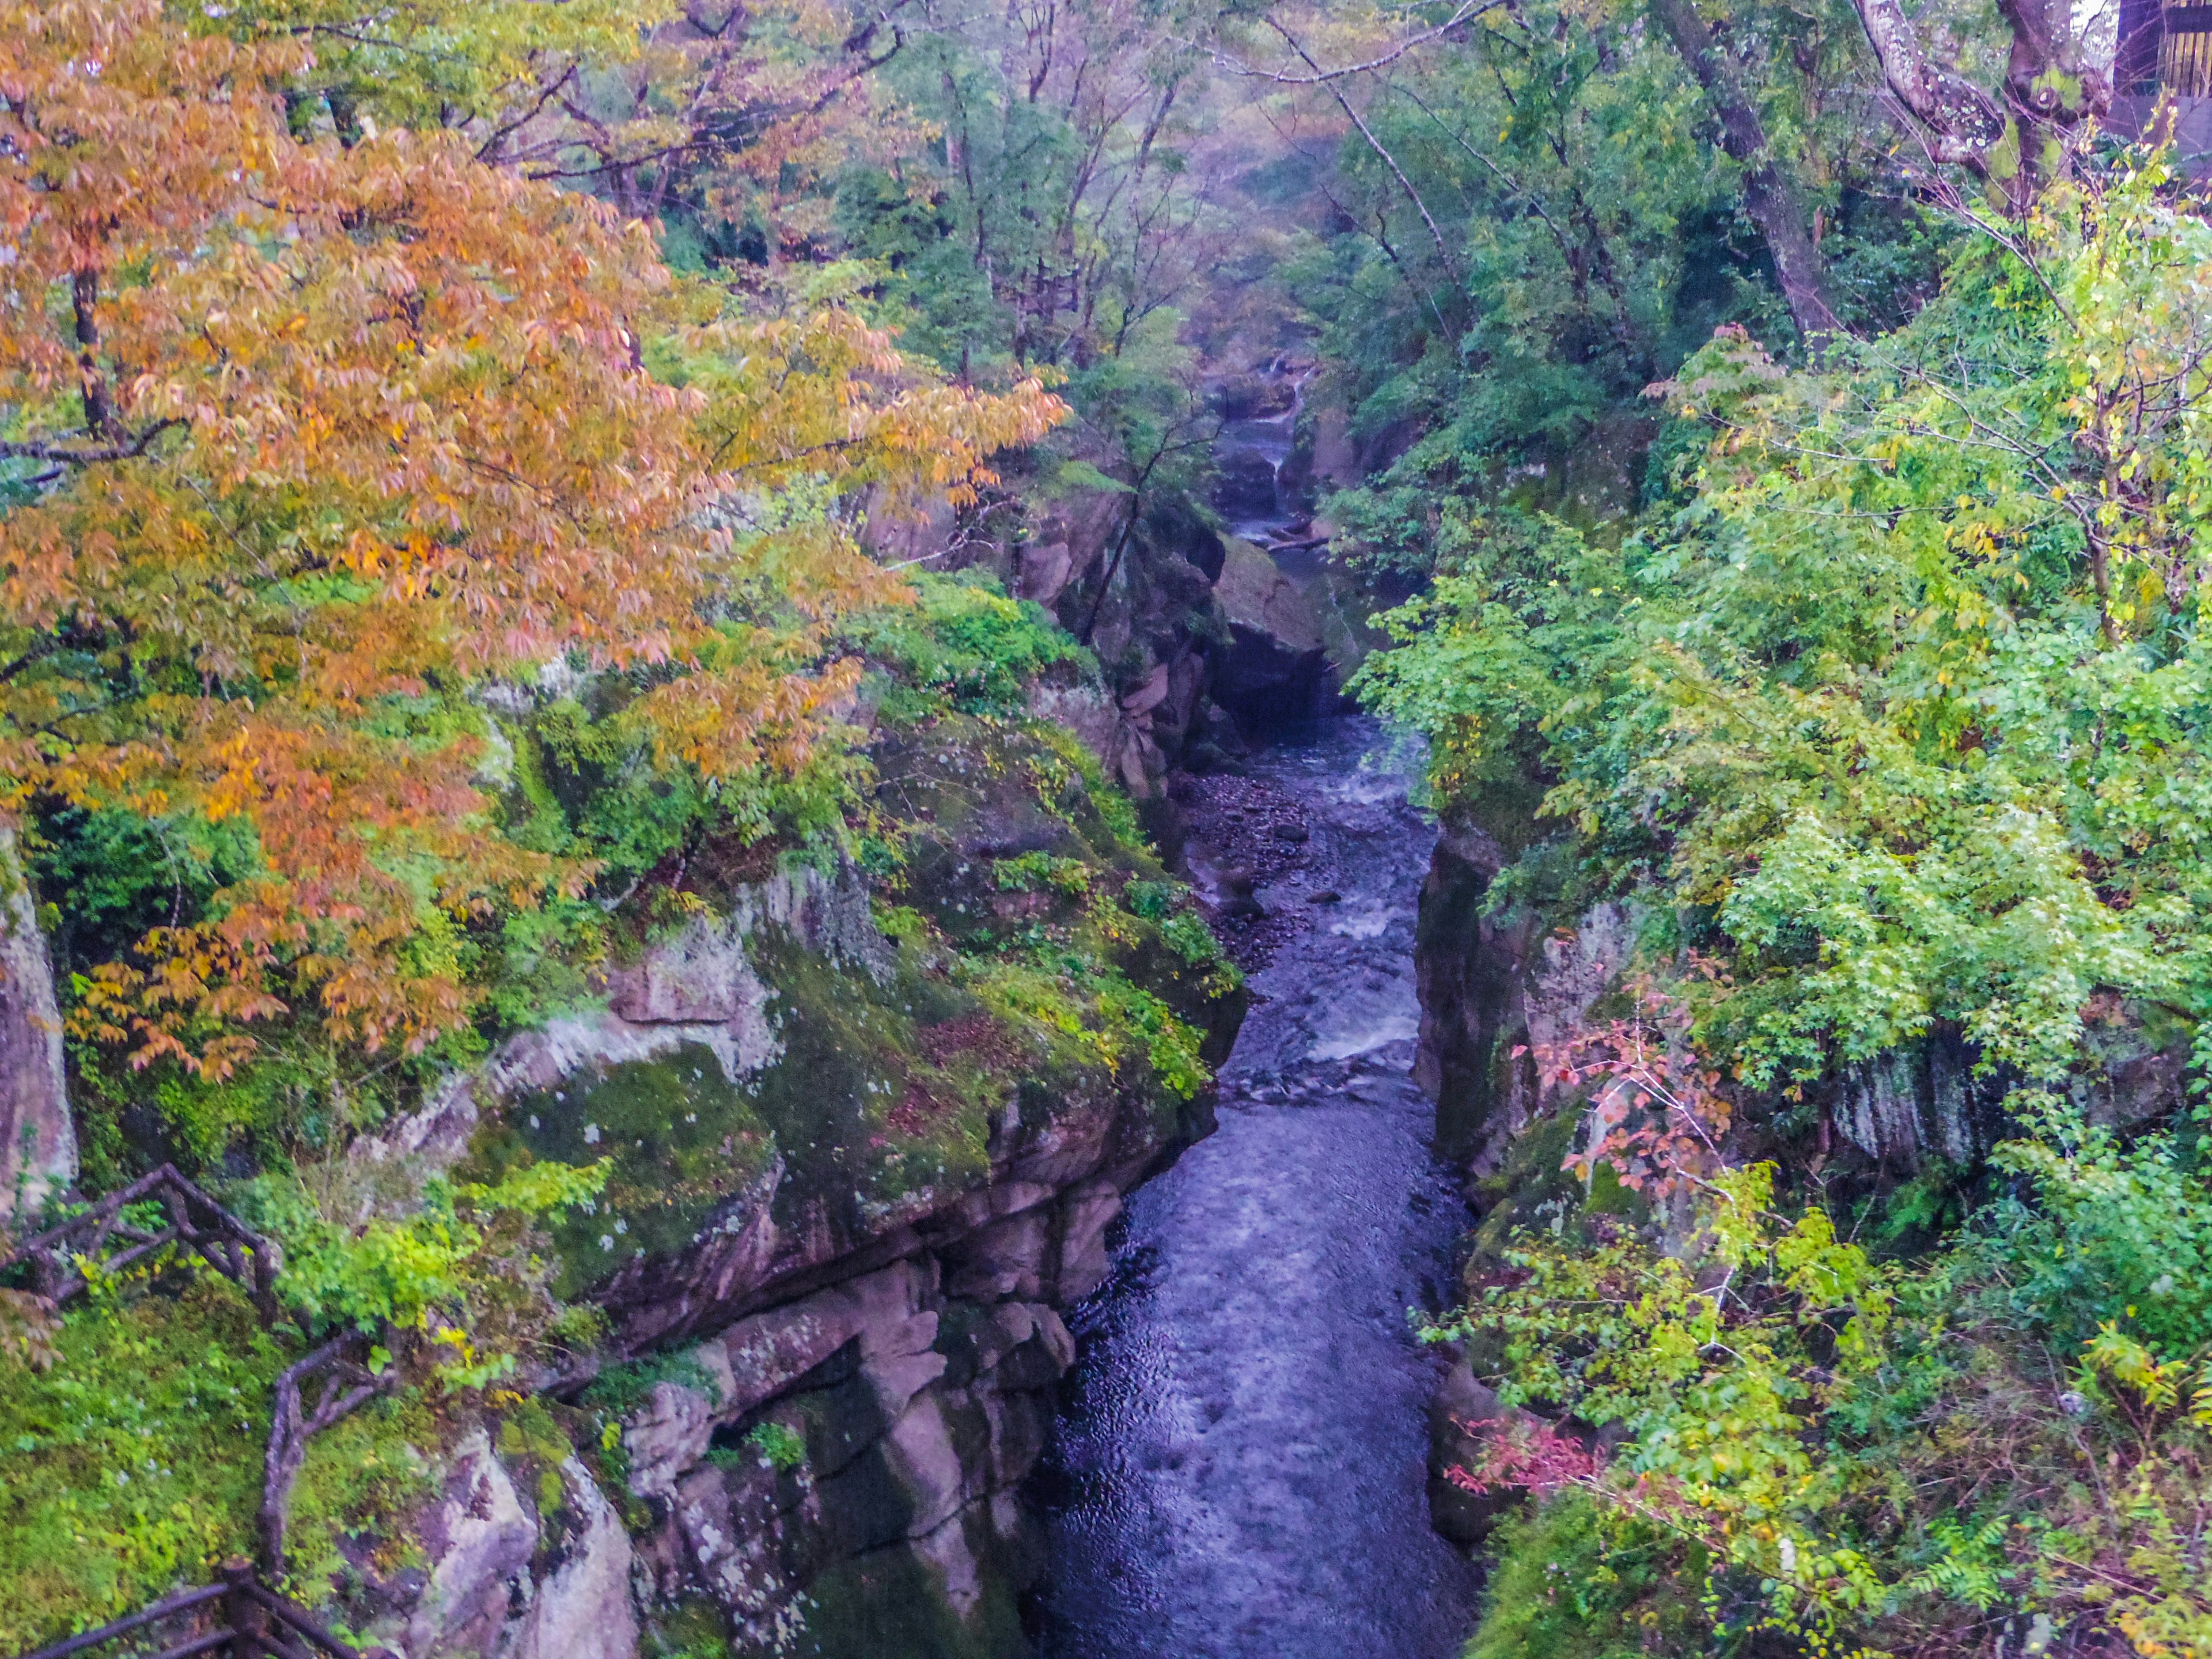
{"type": "Point", "coordinates": [310, 441]}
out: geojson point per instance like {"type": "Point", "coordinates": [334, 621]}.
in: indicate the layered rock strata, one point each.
{"type": "Point", "coordinates": [855, 1177]}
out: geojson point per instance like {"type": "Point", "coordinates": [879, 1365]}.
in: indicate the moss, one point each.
{"type": "Point", "coordinates": [135, 1464]}
{"type": "Point", "coordinates": [1570, 1585]}
{"type": "Point", "coordinates": [865, 1104]}
{"type": "Point", "coordinates": [682, 1138]}
{"type": "Point", "coordinates": [694, 1628]}
{"type": "Point", "coordinates": [1021, 970]}
{"type": "Point", "coordinates": [888, 1604]}
{"type": "Point", "coordinates": [360, 1477]}
{"type": "Point", "coordinates": [1531, 1189]}
{"type": "Point", "coordinates": [852, 1057]}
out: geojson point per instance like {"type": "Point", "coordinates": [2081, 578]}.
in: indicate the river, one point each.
{"type": "Point", "coordinates": [1239, 1471]}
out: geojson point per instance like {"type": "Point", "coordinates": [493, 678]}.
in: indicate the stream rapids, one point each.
{"type": "Point", "coordinates": [1238, 1470]}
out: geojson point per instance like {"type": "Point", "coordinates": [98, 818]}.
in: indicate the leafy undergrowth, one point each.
{"type": "Point", "coordinates": [1570, 1583]}
{"type": "Point", "coordinates": [1884, 724]}
{"type": "Point", "coordinates": [1829, 1451]}
{"type": "Point", "coordinates": [1031, 952]}
{"type": "Point", "coordinates": [132, 1465]}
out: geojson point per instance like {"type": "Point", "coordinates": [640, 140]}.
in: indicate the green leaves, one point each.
{"type": "Point", "coordinates": [457, 1276]}
{"type": "Point", "coordinates": [1872, 1454]}
{"type": "Point", "coordinates": [1910, 702]}
{"type": "Point", "coordinates": [965, 645]}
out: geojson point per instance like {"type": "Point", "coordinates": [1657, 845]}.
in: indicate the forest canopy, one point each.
{"type": "Point", "coordinates": [317, 439]}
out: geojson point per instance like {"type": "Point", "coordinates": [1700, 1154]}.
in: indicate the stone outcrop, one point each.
{"type": "Point", "coordinates": [1492, 985]}
{"type": "Point", "coordinates": [1496, 986]}
{"type": "Point", "coordinates": [581, 1608]}
{"type": "Point", "coordinates": [479, 1539]}
{"type": "Point", "coordinates": [1276, 668]}
{"type": "Point", "coordinates": [920, 1411]}
{"type": "Point", "coordinates": [849, 1198]}
{"type": "Point", "coordinates": [38, 1144]}
{"type": "Point", "coordinates": [698, 988]}
{"type": "Point", "coordinates": [1197, 634]}
{"type": "Point", "coordinates": [920, 1391]}
{"type": "Point", "coordinates": [1464, 1413]}
{"type": "Point", "coordinates": [512, 1575]}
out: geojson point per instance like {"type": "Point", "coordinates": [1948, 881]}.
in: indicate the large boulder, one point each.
{"type": "Point", "coordinates": [1276, 670]}
{"type": "Point", "coordinates": [582, 1609]}
{"type": "Point", "coordinates": [478, 1540]}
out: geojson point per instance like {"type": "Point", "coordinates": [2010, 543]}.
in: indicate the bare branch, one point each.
{"type": "Point", "coordinates": [1443, 248]}
{"type": "Point", "coordinates": [1468, 10]}
{"type": "Point", "coordinates": [71, 452]}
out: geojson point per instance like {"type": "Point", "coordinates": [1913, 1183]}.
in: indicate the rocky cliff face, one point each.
{"type": "Point", "coordinates": [1206, 640]}
{"type": "Point", "coordinates": [838, 1473]}
{"type": "Point", "coordinates": [857, 1173]}
{"type": "Point", "coordinates": [38, 1144]}
{"type": "Point", "coordinates": [1496, 984]}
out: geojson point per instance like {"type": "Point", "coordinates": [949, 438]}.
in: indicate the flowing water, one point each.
{"type": "Point", "coordinates": [1239, 1469]}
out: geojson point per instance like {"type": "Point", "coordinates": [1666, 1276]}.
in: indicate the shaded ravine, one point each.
{"type": "Point", "coordinates": [1239, 1471]}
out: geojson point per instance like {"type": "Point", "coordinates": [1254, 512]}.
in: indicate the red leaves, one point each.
{"type": "Point", "coordinates": [1653, 1115]}
{"type": "Point", "coordinates": [1525, 1455]}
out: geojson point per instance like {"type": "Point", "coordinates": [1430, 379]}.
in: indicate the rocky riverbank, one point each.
{"type": "Point", "coordinates": [866, 1135]}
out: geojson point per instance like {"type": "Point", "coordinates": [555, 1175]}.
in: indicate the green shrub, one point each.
{"type": "Point", "coordinates": [965, 645]}
{"type": "Point", "coordinates": [618, 1391]}
{"type": "Point", "coordinates": [1571, 1580]}
{"type": "Point", "coordinates": [1151, 900]}
{"type": "Point", "coordinates": [766, 1445]}
{"type": "Point", "coordinates": [1069, 877]}
{"type": "Point", "coordinates": [134, 1464]}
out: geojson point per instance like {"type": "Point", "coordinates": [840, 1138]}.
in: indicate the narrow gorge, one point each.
{"type": "Point", "coordinates": [1248, 1379]}
{"type": "Point", "coordinates": [1105, 829]}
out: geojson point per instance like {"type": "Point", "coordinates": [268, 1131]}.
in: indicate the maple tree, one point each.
{"type": "Point", "coordinates": [308, 440]}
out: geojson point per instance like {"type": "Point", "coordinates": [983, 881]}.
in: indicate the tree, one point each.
{"type": "Point", "coordinates": [2018, 139]}
{"type": "Point", "coordinates": [1770, 194]}
{"type": "Point", "coordinates": [308, 440]}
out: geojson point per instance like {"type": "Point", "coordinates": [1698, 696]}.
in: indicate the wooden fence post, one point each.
{"type": "Point", "coordinates": [242, 1611]}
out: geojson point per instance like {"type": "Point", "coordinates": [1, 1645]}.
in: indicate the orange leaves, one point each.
{"type": "Point", "coordinates": [367, 840]}
{"type": "Point", "coordinates": [823, 397]}
{"type": "Point", "coordinates": [315, 439]}
{"type": "Point", "coordinates": [1655, 1114]}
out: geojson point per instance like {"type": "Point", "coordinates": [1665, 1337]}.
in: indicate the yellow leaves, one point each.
{"type": "Point", "coordinates": [820, 398]}
{"type": "Point", "coordinates": [368, 420]}
{"type": "Point", "coordinates": [2126, 1361]}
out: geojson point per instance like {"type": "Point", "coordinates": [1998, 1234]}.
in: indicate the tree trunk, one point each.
{"type": "Point", "coordinates": [1770, 193]}
{"type": "Point", "coordinates": [38, 1144]}
{"type": "Point", "coordinates": [2016, 145]}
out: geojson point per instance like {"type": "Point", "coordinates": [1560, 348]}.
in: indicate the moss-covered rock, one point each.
{"type": "Point", "coordinates": [864, 1107]}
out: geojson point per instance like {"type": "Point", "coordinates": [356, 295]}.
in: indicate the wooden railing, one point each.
{"type": "Point", "coordinates": [106, 1239]}
{"type": "Point", "coordinates": [338, 1371]}
{"type": "Point", "coordinates": [238, 1614]}
{"type": "Point", "coordinates": [109, 1240]}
